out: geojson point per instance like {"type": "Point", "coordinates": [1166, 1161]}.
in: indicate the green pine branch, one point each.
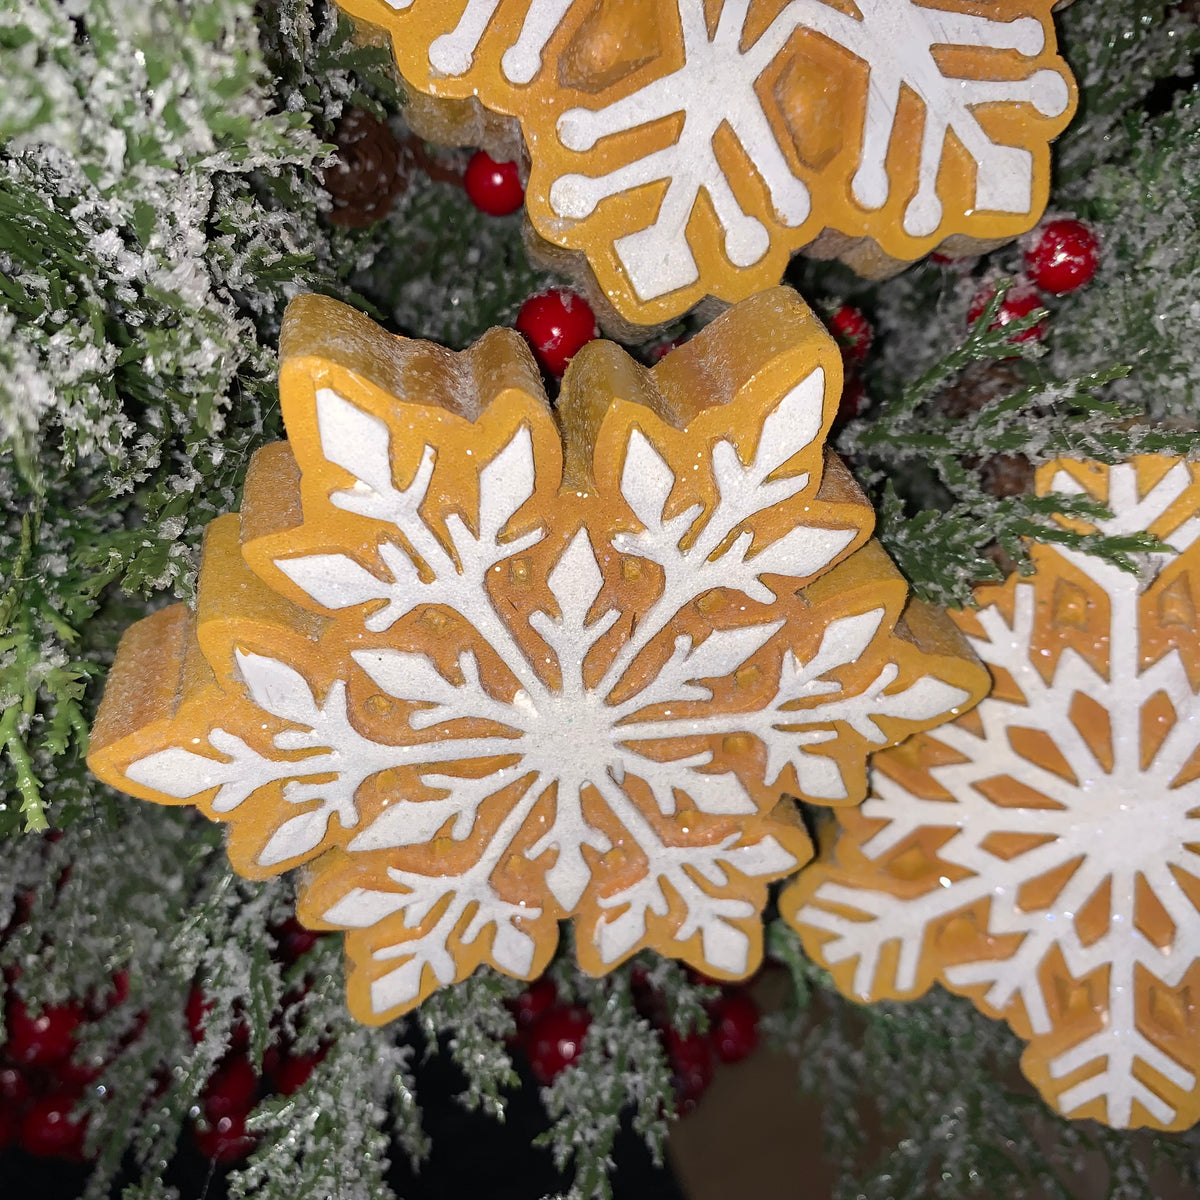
{"type": "Point", "coordinates": [924, 460]}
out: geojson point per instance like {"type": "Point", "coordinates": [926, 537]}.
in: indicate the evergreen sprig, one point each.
{"type": "Point", "coordinates": [923, 459]}
{"type": "Point", "coordinates": [621, 1071]}
{"type": "Point", "coordinates": [1141, 305]}
{"type": "Point", "coordinates": [1119, 51]}
{"type": "Point", "coordinates": [471, 1020]}
{"type": "Point", "coordinates": [333, 1137]}
{"type": "Point", "coordinates": [158, 206]}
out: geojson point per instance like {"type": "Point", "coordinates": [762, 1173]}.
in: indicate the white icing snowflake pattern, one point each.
{"type": "Point", "coordinates": [481, 673]}
{"type": "Point", "coordinates": [716, 86]}
{"type": "Point", "coordinates": [1106, 836]}
{"type": "Point", "coordinates": [454, 52]}
{"type": "Point", "coordinates": [568, 737]}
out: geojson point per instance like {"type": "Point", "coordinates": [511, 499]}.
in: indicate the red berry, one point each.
{"type": "Point", "coordinates": [14, 1096]}
{"type": "Point", "coordinates": [533, 1004]}
{"type": "Point", "coordinates": [79, 1074]}
{"type": "Point", "coordinates": [231, 1090]}
{"type": "Point", "coordinates": [647, 999]}
{"type": "Point", "coordinates": [1019, 301]}
{"type": "Point", "coordinates": [196, 1013]}
{"type": "Point", "coordinates": [692, 1067]}
{"type": "Point", "coordinates": [853, 332]}
{"type": "Point", "coordinates": [10, 1125]}
{"type": "Point", "coordinates": [1063, 255]}
{"type": "Point", "coordinates": [293, 940]}
{"type": "Point", "coordinates": [50, 1130]}
{"type": "Point", "coordinates": [557, 324]}
{"type": "Point", "coordinates": [22, 907]}
{"type": "Point", "coordinates": [556, 1041]}
{"type": "Point", "coordinates": [119, 993]}
{"type": "Point", "coordinates": [734, 1029]}
{"type": "Point", "coordinates": [224, 1140]}
{"type": "Point", "coordinates": [493, 187]}
{"type": "Point", "coordinates": [43, 1040]}
{"type": "Point", "coordinates": [291, 1073]}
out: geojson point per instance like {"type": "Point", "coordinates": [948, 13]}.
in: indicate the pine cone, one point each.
{"type": "Point", "coordinates": [1008, 475]}
{"type": "Point", "coordinates": [979, 383]}
{"type": "Point", "coordinates": [1002, 474]}
{"type": "Point", "coordinates": [368, 172]}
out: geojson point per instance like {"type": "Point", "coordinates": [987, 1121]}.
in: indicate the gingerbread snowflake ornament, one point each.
{"type": "Point", "coordinates": [482, 666]}
{"type": "Point", "coordinates": [1042, 853]}
{"type": "Point", "coordinates": [685, 149]}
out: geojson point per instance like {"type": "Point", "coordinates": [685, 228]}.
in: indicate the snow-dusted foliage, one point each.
{"type": "Point", "coordinates": [156, 209]}
{"type": "Point", "coordinates": [1050, 824]}
{"type": "Point", "coordinates": [155, 213]}
{"type": "Point", "coordinates": [1119, 51]}
{"type": "Point", "coordinates": [1144, 208]}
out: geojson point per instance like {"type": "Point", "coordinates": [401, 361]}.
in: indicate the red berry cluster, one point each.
{"type": "Point", "coordinates": [552, 1034]}
{"type": "Point", "coordinates": [42, 1083]}
{"type": "Point", "coordinates": [235, 1087]}
{"type": "Point", "coordinates": [42, 1080]}
{"type": "Point", "coordinates": [731, 1036]}
{"type": "Point", "coordinates": [1061, 255]}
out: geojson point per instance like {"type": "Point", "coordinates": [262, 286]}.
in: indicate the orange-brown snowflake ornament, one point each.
{"type": "Point", "coordinates": [482, 666]}
{"type": "Point", "coordinates": [1040, 853]}
{"type": "Point", "coordinates": [687, 149]}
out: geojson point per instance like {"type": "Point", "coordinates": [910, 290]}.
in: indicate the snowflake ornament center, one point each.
{"type": "Point", "coordinates": [564, 727]}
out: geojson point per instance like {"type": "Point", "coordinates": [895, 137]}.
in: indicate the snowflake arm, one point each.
{"type": "Point", "coordinates": [512, 948]}
{"type": "Point", "coordinates": [725, 946]}
{"type": "Point", "coordinates": [647, 482]}
{"type": "Point", "coordinates": [361, 444]}
{"type": "Point", "coordinates": [331, 777]}
{"type": "Point", "coordinates": [723, 651]}
{"type": "Point", "coordinates": [414, 822]}
{"type": "Point", "coordinates": [575, 584]}
{"type": "Point", "coordinates": [658, 259]}
{"type": "Point", "coordinates": [283, 692]}
{"type": "Point", "coordinates": [453, 53]}
{"type": "Point", "coordinates": [414, 678]}
{"type": "Point", "coordinates": [717, 793]}
{"type": "Point", "coordinates": [896, 39]}
{"type": "Point", "coordinates": [787, 730]}
{"type": "Point", "coordinates": [471, 891]}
